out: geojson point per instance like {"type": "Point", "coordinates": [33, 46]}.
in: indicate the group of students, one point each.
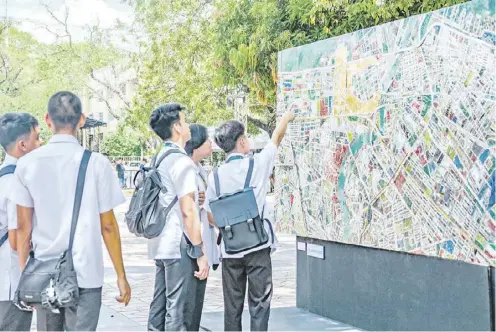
{"type": "Point", "coordinates": [35, 213]}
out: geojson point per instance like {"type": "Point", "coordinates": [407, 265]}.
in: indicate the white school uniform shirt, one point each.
{"type": "Point", "coordinates": [45, 180]}
{"type": "Point", "coordinates": [209, 236]}
{"type": "Point", "coordinates": [10, 271]}
{"type": "Point", "coordinates": [178, 175]}
{"type": "Point", "coordinates": [232, 176]}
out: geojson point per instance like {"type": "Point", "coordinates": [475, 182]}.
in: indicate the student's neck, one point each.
{"type": "Point", "coordinates": [237, 152]}
{"type": "Point", "coordinates": [196, 159]}
{"type": "Point", "coordinates": [178, 141]}
{"type": "Point", "coordinates": [15, 154]}
{"type": "Point", "coordinates": [65, 132]}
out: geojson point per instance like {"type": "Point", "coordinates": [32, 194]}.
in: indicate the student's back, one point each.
{"type": "Point", "coordinates": [251, 266]}
{"type": "Point", "coordinates": [50, 174]}
{"type": "Point", "coordinates": [232, 176]}
{"type": "Point", "coordinates": [44, 191]}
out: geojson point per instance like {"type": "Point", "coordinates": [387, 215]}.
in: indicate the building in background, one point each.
{"type": "Point", "coordinates": [110, 91]}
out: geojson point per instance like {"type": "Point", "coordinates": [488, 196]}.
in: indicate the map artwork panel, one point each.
{"type": "Point", "coordinates": [394, 142]}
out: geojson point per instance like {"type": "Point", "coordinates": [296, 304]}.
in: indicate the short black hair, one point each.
{"type": "Point", "coordinates": [199, 135]}
{"type": "Point", "coordinates": [65, 110]}
{"type": "Point", "coordinates": [14, 126]}
{"type": "Point", "coordinates": [227, 135]}
{"type": "Point", "coordinates": [163, 118]}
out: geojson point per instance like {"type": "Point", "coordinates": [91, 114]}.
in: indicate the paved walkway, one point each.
{"type": "Point", "coordinates": [141, 274]}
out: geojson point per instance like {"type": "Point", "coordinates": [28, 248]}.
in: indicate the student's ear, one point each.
{"type": "Point", "coordinates": [48, 121]}
{"type": "Point", "coordinates": [82, 121]}
{"type": "Point", "coordinates": [21, 145]}
{"type": "Point", "coordinates": [245, 144]}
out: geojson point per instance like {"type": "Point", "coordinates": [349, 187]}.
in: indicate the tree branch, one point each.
{"type": "Point", "coordinates": [108, 86]}
{"type": "Point", "coordinates": [264, 126]}
{"type": "Point", "coordinates": [101, 98]}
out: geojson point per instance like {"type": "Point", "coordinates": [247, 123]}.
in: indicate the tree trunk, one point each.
{"type": "Point", "coordinates": [267, 127]}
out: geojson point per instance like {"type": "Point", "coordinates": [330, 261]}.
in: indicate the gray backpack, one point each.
{"type": "Point", "coordinates": [53, 283]}
{"type": "Point", "coordinates": [9, 169]}
{"type": "Point", "coordinates": [147, 214]}
{"type": "Point", "coordinates": [237, 216]}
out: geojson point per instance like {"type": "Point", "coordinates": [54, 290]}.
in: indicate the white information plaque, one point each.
{"type": "Point", "coordinates": [315, 250]}
{"type": "Point", "coordinates": [302, 246]}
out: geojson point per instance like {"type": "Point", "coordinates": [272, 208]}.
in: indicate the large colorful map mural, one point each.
{"type": "Point", "coordinates": [394, 145]}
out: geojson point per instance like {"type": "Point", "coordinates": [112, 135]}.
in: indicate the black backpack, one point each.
{"type": "Point", "coordinates": [237, 216]}
{"type": "Point", "coordinates": [147, 215]}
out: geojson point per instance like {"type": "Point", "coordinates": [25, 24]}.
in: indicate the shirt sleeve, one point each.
{"type": "Point", "coordinates": [210, 194]}
{"type": "Point", "coordinates": [20, 194]}
{"type": "Point", "coordinates": [183, 175]}
{"type": "Point", "coordinates": [267, 159]}
{"type": "Point", "coordinates": [108, 189]}
{"type": "Point", "coordinates": [11, 215]}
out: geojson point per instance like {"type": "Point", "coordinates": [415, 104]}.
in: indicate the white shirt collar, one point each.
{"type": "Point", "coordinates": [175, 146]}
{"type": "Point", "coordinates": [63, 138]}
{"type": "Point", "coordinates": [9, 160]}
{"type": "Point", "coordinates": [235, 154]}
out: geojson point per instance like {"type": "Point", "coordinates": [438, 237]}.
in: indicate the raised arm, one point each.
{"type": "Point", "coordinates": [282, 126]}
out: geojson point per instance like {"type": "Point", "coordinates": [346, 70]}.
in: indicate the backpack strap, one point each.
{"type": "Point", "coordinates": [79, 196]}
{"type": "Point", "coordinates": [9, 169]}
{"type": "Point", "coordinates": [156, 164]}
{"type": "Point", "coordinates": [217, 182]}
{"type": "Point", "coordinates": [4, 238]}
{"type": "Point", "coordinates": [250, 172]}
{"type": "Point", "coordinates": [163, 156]}
{"type": "Point", "coordinates": [247, 180]}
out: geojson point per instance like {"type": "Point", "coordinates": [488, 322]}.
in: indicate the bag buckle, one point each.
{"type": "Point", "coordinates": [250, 225]}
{"type": "Point", "coordinates": [229, 232]}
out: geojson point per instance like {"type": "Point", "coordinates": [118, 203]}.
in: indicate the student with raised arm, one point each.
{"type": "Point", "coordinates": [19, 135]}
{"type": "Point", "coordinates": [179, 254]}
{"type": "Point", "coordinates": [44, 190]}
{"type": "Point", "coordinates": [252, 265]}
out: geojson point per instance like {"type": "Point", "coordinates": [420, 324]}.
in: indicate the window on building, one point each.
{"type": "Point", "coordinates": [100, 116]}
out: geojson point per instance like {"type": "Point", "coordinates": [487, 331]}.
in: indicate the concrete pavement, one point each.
{"type": "Point", "coordinates": [141, 275]}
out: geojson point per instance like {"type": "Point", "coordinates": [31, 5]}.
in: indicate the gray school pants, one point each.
{"type": "Point", "coordinates": [256, 269]}
{"type": "Point", "coordinates": [83, 317]}
{"type": "Point", "coordinates": [178, 297]}
{"type": "Point", "coordinates": [14, 319]}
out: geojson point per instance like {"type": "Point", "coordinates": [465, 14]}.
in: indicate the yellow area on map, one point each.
{"type": "Point", "coordinates": [345, 102]}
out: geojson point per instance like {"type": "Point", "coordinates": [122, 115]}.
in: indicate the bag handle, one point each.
{"type": "Point", "coordinates": [79, 195]}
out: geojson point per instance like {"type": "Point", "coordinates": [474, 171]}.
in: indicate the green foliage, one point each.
{"type": "Point", "coordinates": [176, 63]}
{"type": "Point", "coordinates": [248, 34]}
{"type": "Point", "coordinates": [121, 143]}
{"type": "Point", "coordinates": [32, 71]}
